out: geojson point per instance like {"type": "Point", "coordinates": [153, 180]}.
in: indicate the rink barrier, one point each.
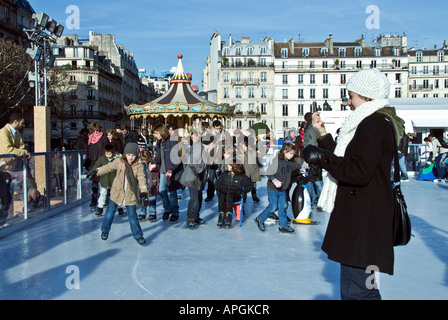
{"type": "Point", "coordinates": [59, 179]}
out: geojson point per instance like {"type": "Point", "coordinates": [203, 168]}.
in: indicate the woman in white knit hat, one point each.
{"type": "Point", "coordinates": [357, 191]}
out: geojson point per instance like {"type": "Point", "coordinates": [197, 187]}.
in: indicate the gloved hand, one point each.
{"type": "Point", "coordinates": [313, 154]}
{"type": "Point", "coordinates": [91, 175]}
{"type": "Point", "coordinates": [144, 199]}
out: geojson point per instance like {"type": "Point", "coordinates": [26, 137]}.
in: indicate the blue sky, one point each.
{"type": "Point", "coordinates": [157, 31]}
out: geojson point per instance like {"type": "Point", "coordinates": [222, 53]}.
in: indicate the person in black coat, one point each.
{"type": "Point", "coordinates": [168, 156]}
{"type": "Point", "coordinates": [358, 191]}
{"type": "Point", "coordinates": [95, 149]}
{"type": "Point", "coordinates": [229, 187]}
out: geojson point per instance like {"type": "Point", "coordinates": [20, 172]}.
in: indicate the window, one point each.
{"type": "Point", "coordinates": [263, 92]}
{"type": "Point", "coordinates": [343, 78]}
{"type": "Point", "coordinates": [325, 78]}
{"type": "Point", "coordinates": [325, 94]}
{"type": "Point", "coordinates": [305, 52]}
{"type": "Point", "coordinates": [263, 77]}
{"type": "Point", "coordinates": [359, 64]}
{"type": "Point", "coordinates": [263, 108]}
{"type": "Point", "coordinates": [312, 65]}
{"type": "Point", "coordinates": [341, 52]}
{"type": "Point", "coordinates": [285, 124]}
{"type": "Point", "coordinates": [419, 56]}
{"type": "Point", "coordinates": [263, 50]}
{"type": "Point", "coordinates": [226, 51]}
{"type": "Point", "coordinates": [226, 77]}
{"type": "Point", "coordinates": [285, 110]}
{"type": "Point", "coordinates": [239, 124]}
{"type": "Point", "coordinates": [397, 52]}
{"type": "Point", "coordinates": [284, 53]}
{"type": "Point", "coordinates": [312, 78]}
{"type": "Point", "coordinates": [440, 56]}
{"type": "Point", "coordinates": [324, 64]}
{"type": "Point", "coordinates": [237, 92]}
{"type": "Point", "coordinates": [226, 93]}
{"type": "Point", "coordinates": [358, 52]}
{"type": "Point", "coordinates": [398, 77]}
{"type": "Point", "coordinates": [284, 93]}
{"type": "Point", "coordinates": [300, 107]}
{"type": "Point", "coordinates": [285, 79]}
{"type": "Point", "coordinates": [250, 51]}
{"type": "Point", "coordinates": [324, 52]}
{"type": "Point", "coordinates": [300, 93]}
{"type": "Point", "coordinates": [238, 51]}
{"type": "Point", "coordinates": [251, 92]}
{"type": "Point", "coordinates": [300, 79]}
{"type": "Point", "coordinates": [397, 92]}
{"type": "Point", "coordinates": [75, 52]}
{"type": "Point", "coordinates": [238, 77]}
{"type": "Point", "coordinates": [262, 61]}
{"type": "Point", "coordinates": [312, 93]}
{"type": "Point", "coordinates": [377, 52]}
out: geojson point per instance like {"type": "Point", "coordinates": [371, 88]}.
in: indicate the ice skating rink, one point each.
{"type": "Point", "coordinates": [64, 258]}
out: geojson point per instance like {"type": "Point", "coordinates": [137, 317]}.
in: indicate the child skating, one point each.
{"type": "Point", "coordinates": [128, 188]}
{"type": "Point", "coordinates": [279, 176]}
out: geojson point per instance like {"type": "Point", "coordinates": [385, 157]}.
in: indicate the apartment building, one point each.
{"type": "Point", "coordinates": [241, 73]}
{"type": "Point", "coordinates": [277, 83]}
{"type": "Point", "coordinates": [15, 15]}
{"type": "Point", "coordinates": [428, 72]}
{"type": "Point", "coordinates": [102, 79]}
{"type": "Point", "coordinates": [312, 76]}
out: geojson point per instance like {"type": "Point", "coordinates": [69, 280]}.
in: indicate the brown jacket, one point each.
{"type": "Point", "coordinates": [118, 194]}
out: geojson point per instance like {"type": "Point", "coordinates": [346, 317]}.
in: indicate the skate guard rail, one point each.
{"type": "Point", "coordinates": [34, 188]}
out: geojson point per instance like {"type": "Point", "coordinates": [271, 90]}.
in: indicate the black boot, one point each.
{"type": "Point", "coordinates": [220, 219]}
{"type": "Point", "coordinates": [228, 219]}
{"type": "Point", "coordinates": [99, 212]}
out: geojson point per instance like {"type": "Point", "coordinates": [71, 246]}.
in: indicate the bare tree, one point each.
{"type": "Point", "coordinates": [15, 91]}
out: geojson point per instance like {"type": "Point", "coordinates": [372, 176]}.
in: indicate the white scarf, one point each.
{"type": "Point", "coordinates": [348, 129]}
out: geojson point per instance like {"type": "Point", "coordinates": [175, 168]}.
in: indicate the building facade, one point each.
{"type": "Point", "coordinates": [428, 72]}
{"type": "Point", "coordinates": [15, 15]}
{"type": "Point", "coordinates": [243, 77]}
{"type": "Point", "coordinates": [277, 83]}
{"type": "Point", "coordinates": [102, 79]}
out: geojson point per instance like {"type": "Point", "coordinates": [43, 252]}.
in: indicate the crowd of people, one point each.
{"type": "Point", "coordinates": [131, 171]}
{"type": "Point", "coordinates": [161, 164]}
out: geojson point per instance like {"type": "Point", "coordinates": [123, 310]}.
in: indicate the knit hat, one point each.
{"type": "Point", "coordinates": [370, 83]}
{"type": "Point", "coordinates": [131, 148]}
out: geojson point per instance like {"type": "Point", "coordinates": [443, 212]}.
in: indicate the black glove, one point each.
{"type": "Point", "coordinates": [144, 199]}
{"type": "Point", "coordinates": [313, 154]}
{"type": "Point", "coordinates": [91, 175]}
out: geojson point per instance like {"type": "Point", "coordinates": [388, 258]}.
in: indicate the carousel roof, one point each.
{"type": "Point", "coordinates": [180, 99]}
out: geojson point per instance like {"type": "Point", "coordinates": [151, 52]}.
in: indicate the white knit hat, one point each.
{"type": "Point", "coordinates": [370, 83]}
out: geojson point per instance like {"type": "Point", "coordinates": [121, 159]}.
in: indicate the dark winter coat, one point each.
{"type": "Point", "coordinates": [233, 184]}
{"type": "Point", "coordinates": [359, 232]}
{"type": "Point", "coordinates": [152, 179]}
{"type": "Point", "coordinates": [173, 162]}
{"type": "Point", "coordinates": [94, 151]}
{"type": "Point", "coordinates": [106, 180]}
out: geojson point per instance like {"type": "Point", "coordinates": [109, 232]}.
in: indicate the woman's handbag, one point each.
{"type": "Point", "coordinates": [401, 223]}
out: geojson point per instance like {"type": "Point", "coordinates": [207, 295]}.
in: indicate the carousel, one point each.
{"type": "Point", "coordinates": [180, 105]}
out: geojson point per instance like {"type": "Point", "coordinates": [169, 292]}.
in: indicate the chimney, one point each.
{"type": "Point", "coordinates": [329, 44]}
{"type": "Point", "coordinates": [230, 40]}
{"type": "Point", "coordinates": [291, 45]}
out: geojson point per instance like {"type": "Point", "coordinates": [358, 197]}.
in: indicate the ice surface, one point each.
{"type": "Point", "coordinates": [41, 261]}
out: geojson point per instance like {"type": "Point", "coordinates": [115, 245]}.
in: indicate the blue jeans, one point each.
{"type": "Point", "coordinates": [151, 208]}
{"type": "Point", "coordinates": [169, 198]}
{"type": "Point", "coordinates": [314, 190]}
{"type": "Point", "coordinates": [136, 230]}
{"type": "Point", "coordinates": [277, 199]}
{"type": "Point", "coordinates": [194, 205]}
